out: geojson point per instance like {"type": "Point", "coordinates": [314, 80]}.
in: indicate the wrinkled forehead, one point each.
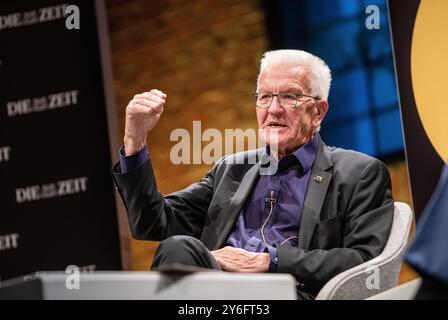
{"type": "Point", "coordinates": [284, 73]}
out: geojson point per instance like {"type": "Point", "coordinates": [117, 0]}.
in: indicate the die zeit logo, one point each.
{"type": "Point", "coordinates": [9, 241]}
{"type": "Point", "coordinates": [4, 153]}
{"type": "Point", "coordinates": [39, 104]}
{"type": "Point", "coordinates": [71, 13]}
{"type": "Point", "coordinates": [51, 190]}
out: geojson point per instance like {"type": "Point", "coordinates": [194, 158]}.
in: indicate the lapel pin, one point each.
{"type": "Point", "coordinates": [318, 178]}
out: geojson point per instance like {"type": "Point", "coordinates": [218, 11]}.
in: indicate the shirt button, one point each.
{"type": "Point", "coordinates": [252, 243]}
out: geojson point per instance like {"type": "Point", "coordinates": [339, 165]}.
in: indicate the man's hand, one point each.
{"type": "Point", "coordinates": [142, 114]}
{"type": "Point", "coordinates": [239, 260]}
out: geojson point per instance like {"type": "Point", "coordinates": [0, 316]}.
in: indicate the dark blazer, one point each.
{"type": "Point", "coordinates": [346, 217]}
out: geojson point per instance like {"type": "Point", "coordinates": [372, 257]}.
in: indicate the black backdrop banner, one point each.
{"type": "Point", "coordinates": [58, 206]}
{"type": "Point", "coordinates": [424, 163]}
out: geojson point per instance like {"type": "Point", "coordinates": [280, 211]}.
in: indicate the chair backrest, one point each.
{"type": "Point", "coordinates": [378, 274]}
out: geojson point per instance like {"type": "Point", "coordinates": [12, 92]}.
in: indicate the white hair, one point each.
{"type": "Point", "coordinates": [318, 72]}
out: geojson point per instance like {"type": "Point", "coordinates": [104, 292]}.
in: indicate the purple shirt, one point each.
{"type": "Point", "coordinates": [286, 190]}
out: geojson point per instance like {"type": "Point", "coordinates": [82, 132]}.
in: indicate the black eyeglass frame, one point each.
{"type": "Point", "coordinates": [299, 96]}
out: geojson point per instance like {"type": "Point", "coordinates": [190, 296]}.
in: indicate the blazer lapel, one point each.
{"type": "Point", "coordinates": [238, 200]}
{"type": "Point", "coordinates": [315, 196]}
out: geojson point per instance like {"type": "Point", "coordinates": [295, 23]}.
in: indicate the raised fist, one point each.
{"type": "Point", "coordinates": [142, 114]}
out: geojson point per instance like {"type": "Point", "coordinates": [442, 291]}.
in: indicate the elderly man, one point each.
{"type": "Point", "coordinates": [323, 211]}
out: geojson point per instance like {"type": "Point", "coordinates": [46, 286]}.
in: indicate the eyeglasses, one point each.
{"type": "Point", "coordinates": [286, 100]}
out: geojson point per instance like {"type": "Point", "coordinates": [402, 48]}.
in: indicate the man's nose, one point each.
{"type": "Point", "coordinates": [275, 106]}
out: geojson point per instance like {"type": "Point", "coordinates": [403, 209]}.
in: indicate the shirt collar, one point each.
{"type": "Point", "coordinates": [305, 154]}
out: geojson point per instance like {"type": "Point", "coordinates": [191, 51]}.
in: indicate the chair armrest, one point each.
{"type": "Point", "coordinates": [376, 275]}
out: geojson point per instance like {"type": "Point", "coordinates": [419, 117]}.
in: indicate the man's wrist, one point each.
{"type": "Point", "coordinates": [265, 260]}
{"type": "Point", "coordinates": [133, 145]}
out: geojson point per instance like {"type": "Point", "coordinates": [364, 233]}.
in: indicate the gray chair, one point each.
{"type": "Point", "coordinates": [378, 274]}
{"type": "Point", "coordinates": [406, 291]}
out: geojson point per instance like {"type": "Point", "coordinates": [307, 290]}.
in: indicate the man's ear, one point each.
{"type": "Point", "coordinates": [321, 109]}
